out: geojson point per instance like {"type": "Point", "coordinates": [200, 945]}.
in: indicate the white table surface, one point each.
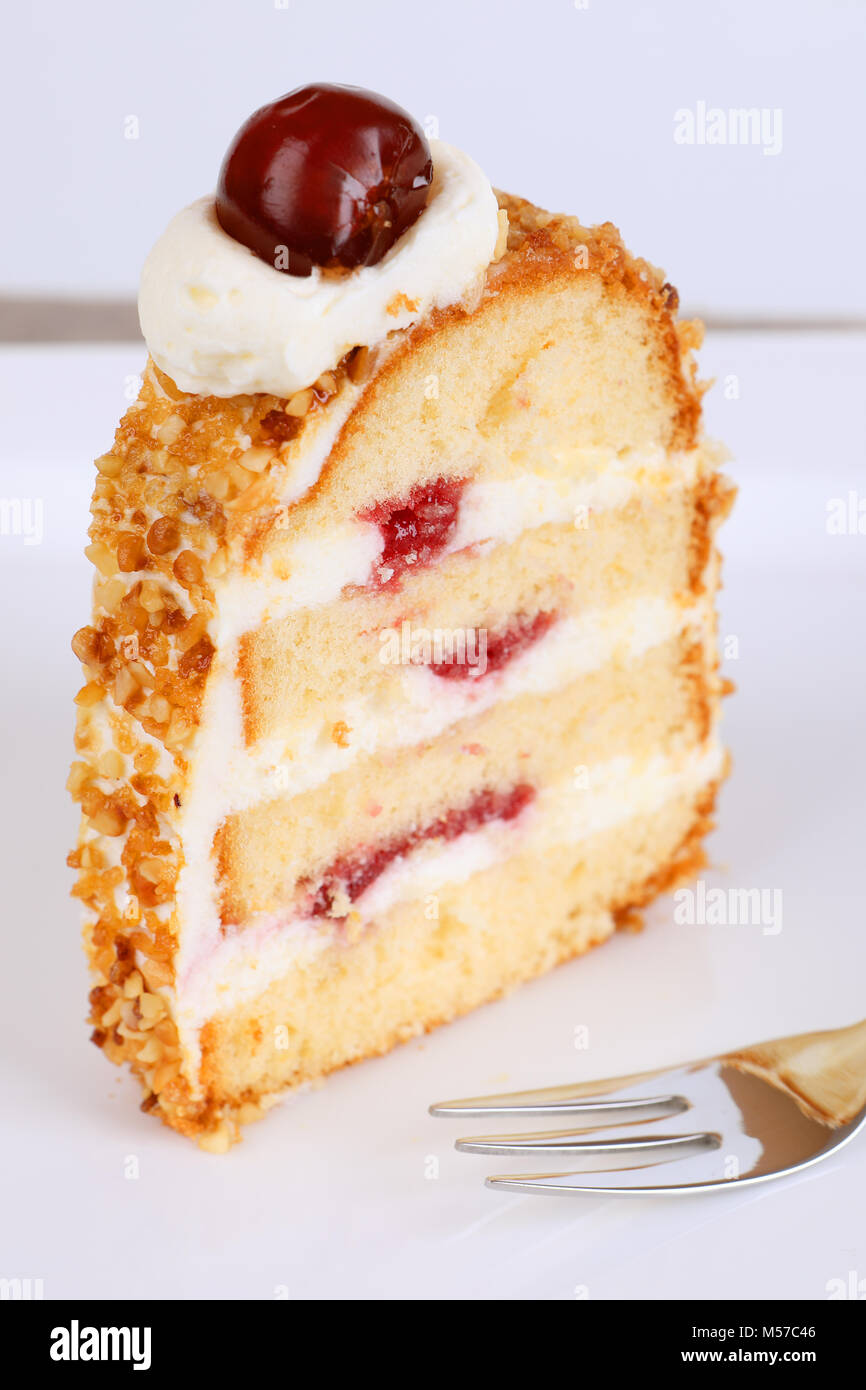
{"type": "Point", "coordinates": [332, 1196]}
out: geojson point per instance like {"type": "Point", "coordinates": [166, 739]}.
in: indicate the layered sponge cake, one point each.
{"type": "Point", "coordinates": [401, 678]}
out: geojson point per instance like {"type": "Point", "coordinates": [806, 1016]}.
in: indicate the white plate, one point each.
{"type": "Point", "coordinates": [352, 1190]}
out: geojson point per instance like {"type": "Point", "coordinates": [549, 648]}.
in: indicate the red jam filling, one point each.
{"type": "Point", "coordinates": [415, 529]}
{"type": "Point", "coordinates": [502, 647]}
{"type": "Point", "coordinates": [352, 874]}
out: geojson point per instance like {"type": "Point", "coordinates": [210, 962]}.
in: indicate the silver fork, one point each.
{"type": "Point", "coordinates": [755, 1114]}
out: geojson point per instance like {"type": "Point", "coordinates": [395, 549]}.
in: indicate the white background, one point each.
{"type": "Point", "coordinates": [329, 1198]}
{"type": "Point", "coordinates": [571, 107]}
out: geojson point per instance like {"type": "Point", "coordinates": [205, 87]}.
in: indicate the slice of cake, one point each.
{"type": "Point", "coordinates": [401, 680]}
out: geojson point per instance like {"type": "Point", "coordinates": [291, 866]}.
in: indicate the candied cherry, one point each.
{"type": "Point", "coordinates": [328, 176]}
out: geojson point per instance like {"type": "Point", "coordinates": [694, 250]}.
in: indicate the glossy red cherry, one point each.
{"type": "Point", "coordinates": [328, 176]}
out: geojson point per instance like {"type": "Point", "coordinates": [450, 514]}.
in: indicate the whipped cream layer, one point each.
{"type": "Point", "coordinates": [230, 777]}
{"type": "Point", "coordinates": [493, 511]}
{"type": "Point", "coordinates": [238, 967]}
{"type": "Point", "coordinates": [221, 322]}
{"type": "Point", "coordinates": [421, 707]}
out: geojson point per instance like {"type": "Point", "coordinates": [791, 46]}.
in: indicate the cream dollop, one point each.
{"type": "Point", "coordinates": [221, 322]}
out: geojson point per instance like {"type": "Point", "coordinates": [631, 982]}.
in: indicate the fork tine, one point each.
{"type": "Point", "coordinates": [608, 1154]}
{"type": "Point", "coordinates": [592, 1115]}
{"type": "Point", "coordinates": [553, 1183]}
{"type": "Point", "coordinates": [592, 1099]}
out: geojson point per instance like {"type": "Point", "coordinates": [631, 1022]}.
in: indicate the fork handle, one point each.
{"type": "Point", "coordinates": [825, 1072]}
